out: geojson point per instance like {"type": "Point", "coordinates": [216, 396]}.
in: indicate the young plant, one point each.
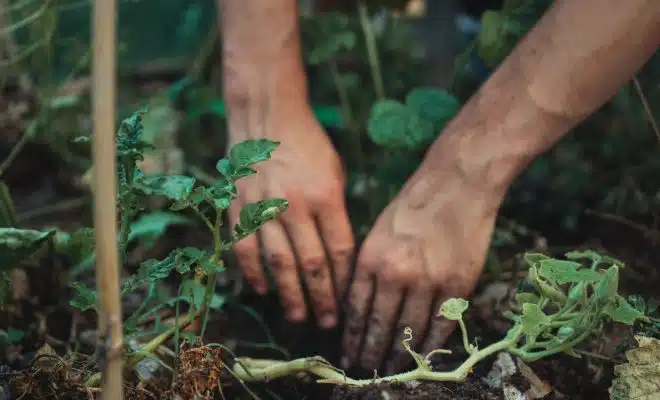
{"type": "Point", "coordinates": [565, 304]}
{"type": "Point", "coordinates": [208, 202]}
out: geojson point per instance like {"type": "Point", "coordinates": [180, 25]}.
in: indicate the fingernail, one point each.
{"type": "Point", "coordinates": [344, 362]}
{"type": "Point", "coordinates": [260, 290]}
{"type": "Point", "coordinates": [296, 315]}
{"type": "Point", "coordinates": [328, 321]}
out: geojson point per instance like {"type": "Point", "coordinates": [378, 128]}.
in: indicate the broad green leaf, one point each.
{"type": "Point", "coordinates": [254, 215]}
{"type": "Point", "coordinates": [433, 105]}
{"type": "Point", "coordinates": [562, 271]}
{"type": "Point", "coordinates": [174, 187]}
{"type": "Point", "coordinates": [533, 319]}
{"type": "Point", "coordinates": [491, 40]}
{"type": "Point", "coordinates": [522, 298]}
{"type": "Point", "coordinates": [396, 126]}
{"type": "Point", "coordinates": [84, 298]}
{"type": "Point", "coordinates": [621, 311]}
{"type": "Point", "coordinates": [17, 245]}
{"type": "Point", "coordinates": [639, 378]}
{"type": "Point", "coordinates": [249, 152]}
{"type": "Point", "coordinates": [453, 308]}
{"type": "Point", "coordinates": [220, 195]}
{"type": "Point", "coordinates": [11, 335]}
{"type": "Point", "coordinates": [152, 226]}
{"type": "Point", "coordinates": [608, 285]}
{"type": "Point", "coordinates": [152, 270]}
{"type": "Point", "coordinates": [210, 265]}
{"type": "Point", "coordinates": [533, 258]}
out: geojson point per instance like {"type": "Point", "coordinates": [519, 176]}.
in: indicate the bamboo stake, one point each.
{"type": "Point", "coordinates": [104, 80]}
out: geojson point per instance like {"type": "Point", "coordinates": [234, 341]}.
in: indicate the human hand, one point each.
{"type": "Point", "coordinates": [428, 245]}
{"type": "Point", "coordinates": [314, 234]}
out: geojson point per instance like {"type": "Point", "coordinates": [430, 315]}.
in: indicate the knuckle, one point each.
{"type": "Point", "coordinates": [313, 265]}
{"type": "Point", "coordinates": [341, 254]}
{"type": "Point", "coordinates": [398, 272]}
{"type": "Point", "coordinates": [279, 261]}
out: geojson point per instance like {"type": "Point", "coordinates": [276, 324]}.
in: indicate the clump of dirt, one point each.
{"type": "Point", "coordinates": [199, 369]}
{"type": "Point", "coordinates": [472, 389]}
{"type": "Point", "coordinates": [48, 377]}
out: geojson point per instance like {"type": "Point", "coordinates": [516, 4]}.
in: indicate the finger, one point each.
{"type": "Point", "coordinates": [314, 267]}
{"type": "Point", "coordinates": [415, 315]}
{"type": "Point", "coordinates": [247, 253]}
{"type": "Point", "coordinates": [356, 316]}
{"type": "Point", "coordinates": [383, 316]}
{"type": "Point", "coordinates": [439, 330]}
{"type": "Point", "coordinates": [338, 237]}
{"type": "Point", "coordinates": [281, 261]}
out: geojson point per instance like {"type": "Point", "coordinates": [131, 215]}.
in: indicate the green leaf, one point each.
{"type": "Point", "coordinates": [394, 125]}
{"type": "Point", "coordinates": [491, 40]}
{"type": "Point", "coordinates": [77, 246]}
{"type": "Point", "coordinates": [639, 378]}
{"type": "Point", "coordinates": [522, 298]}
{"type": "Point", "coordinates": [562, 271]}
{"type": "Point", "coordinates": [608, 285]}
{"type": "Point", "coordinates": [220, 195]}
{"type": "Point", "coordinates": [152, 226]}
{"type": "Point", "coordinates": [533, 258]}
{"type": "Point", "coordinates": [254, 215]}
{"type": "Point", "coordinates": [174, 187]}
{"type": "Point", "coordinates": [252, 151]}
{"type": "Point", "coordinates": [17, 245]}
{"type": "Point", "coordinates": [621, 311]}
{"type": "Point", "coordinates": [433, 105]}
{"type": "Point", "coordinates": [194, 291]}
{"type": "Point", "coordinates": [14, 335]}
{"type": "Point", "coordinates": [533, 319]}
{"type": "Point", "coordinates": [84, 298]}
{"type": "Point", "coordinates": [453, 308]}
{"type": "Point", "coordinates": [152, 270]}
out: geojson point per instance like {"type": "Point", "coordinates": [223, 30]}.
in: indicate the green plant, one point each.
{"type": "Point", "coordinates": [208, 202]}
{"type": "Point", "coordinates": [566, 301]}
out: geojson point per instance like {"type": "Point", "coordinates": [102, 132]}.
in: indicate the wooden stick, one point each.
{"type": "Point", "coordinates": [104, 84]}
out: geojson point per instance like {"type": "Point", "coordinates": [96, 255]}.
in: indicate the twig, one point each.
{"type": "Point", "coordinates": [104, 78]}
{"type": "Point", "coordinates": [647, 108]}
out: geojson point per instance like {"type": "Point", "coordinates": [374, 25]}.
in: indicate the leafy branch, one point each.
{"type": "Point", "coordinates": [566, 302]}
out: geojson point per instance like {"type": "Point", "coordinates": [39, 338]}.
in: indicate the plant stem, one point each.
{"type": "Point", "coordinates": [372, 50]}
{"type": "Point", "coordinates": [133, 359]}
{"type": "Point", "coordinates": [468, 348]}
{"type": "Point", "coordinates": [218, 247]}
{"type": "Point", "coordinates": [250, 370]}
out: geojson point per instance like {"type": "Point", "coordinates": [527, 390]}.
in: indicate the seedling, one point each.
{"type": "Point", "coordinates": [567, 302]}
{"type": "Point", "coordinates": [209, 203]}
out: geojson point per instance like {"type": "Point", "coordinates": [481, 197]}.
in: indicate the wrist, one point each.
{"type": "Point", "coordinates": [497, 134]}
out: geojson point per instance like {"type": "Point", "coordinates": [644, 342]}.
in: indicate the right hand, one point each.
{"type": "Point", "coordinates": [314, 234]}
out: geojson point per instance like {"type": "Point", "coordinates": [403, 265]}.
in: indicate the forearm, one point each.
{"type": "Point", "coordinates": [263, 73]}
{"type": "Point", "coordinates": [570, 64]}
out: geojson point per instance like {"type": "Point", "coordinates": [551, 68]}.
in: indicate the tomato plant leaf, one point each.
{"type": "Point", "coordinates": [17, 245]}
{"type": "Point", "coordinates": [84, 298]}
{"type": "Point", "coordinates": [174, 187]}
{"type": "Point", "coordinates": [562, 271]}
{"type": "Point", "coordinates": [254, 215]}
{"type": "Point", "coordinates": [181, 260]}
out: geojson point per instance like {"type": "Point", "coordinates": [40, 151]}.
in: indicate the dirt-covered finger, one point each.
{"type": "Point", "coordinates": [315, 269]}
{"type": "Point", "coordinates": [381, 323]}
{"type": "Point", "coordinates": [247, 253]}
{"type": "Point", "coordinates": [358, 305]}
{"type": "Point", "coordinates": [337, 235]}
{"type": "Point", "coordinates": [281, 261]}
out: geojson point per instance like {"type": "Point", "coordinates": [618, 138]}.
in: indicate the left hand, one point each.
{"type": "Point", "coordinates": [427, 246]}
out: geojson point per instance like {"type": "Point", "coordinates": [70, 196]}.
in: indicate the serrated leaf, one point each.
{"type": "Point", "coordinates": [174, 187]}
{"type": "Point", "coordinates": [621, 311]}
{"type": "Point", "coordinates": [152, 226]}
{"type": "Point", "coordinates": [84, 298]}
{"type": "Point", "coordinates": [194, 291]}
{"type": "Point", "coordinates": [453, 309]}
{"type": "Point", "coordinates": [17, 245]}
{"type": "Point", "coordinates": [584, 254]}
{"type": "Point", "coordinates": [394, 125]}
{"type": "Point", "coordinates": [608, 285]}
{"type": "Point", "coordinates": [254, 215]}
{"type": "Point", "coordinates": [533, 319]}
{"type": "Point", "coordinates": [433, 105]}
{"type": "Point", "coordinates": [533, 258]}
{"type": "Point", "coordinates": [152, 270]}
{"type": "Point", "coordinates": [639, 378]}
{"type": "Point", "coordinates": [562, 271]}
{"type": "Point", "coordinates": [249, 152]}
